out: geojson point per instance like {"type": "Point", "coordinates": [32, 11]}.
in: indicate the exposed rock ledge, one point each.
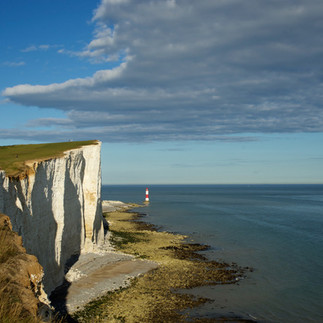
{"type": "Point", "coordinates": [93, 275]}
{"type": "Point", "coordinates": [111, 206]}
{"type": "Point", "coordinates": [57, 209]}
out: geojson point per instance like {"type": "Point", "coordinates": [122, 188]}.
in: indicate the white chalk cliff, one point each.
{"type": "Point", "coordinates": [57, 209]}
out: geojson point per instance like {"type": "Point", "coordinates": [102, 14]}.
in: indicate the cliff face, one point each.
{"type": "Point", "coordinates": [57, 209]}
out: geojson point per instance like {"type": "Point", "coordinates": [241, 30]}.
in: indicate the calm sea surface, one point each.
{"type": "Point", "coordinates": [276, 229]}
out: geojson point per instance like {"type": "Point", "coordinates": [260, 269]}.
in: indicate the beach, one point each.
{"type": "Point", "coordinates": [94, 274]}
{"type": "Point", "coordinates": [160, 292]}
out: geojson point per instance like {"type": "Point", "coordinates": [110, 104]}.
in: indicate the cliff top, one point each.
{"type": "Point", "coordinates": [14, 159]}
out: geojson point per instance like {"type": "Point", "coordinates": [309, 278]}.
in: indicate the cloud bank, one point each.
{"type": "Point", "coordinates": [194, 70]}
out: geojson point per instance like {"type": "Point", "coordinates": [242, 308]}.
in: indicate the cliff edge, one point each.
{"type": "Point", "coordinates": [56, 207]}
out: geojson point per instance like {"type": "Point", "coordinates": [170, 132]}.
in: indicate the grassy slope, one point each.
{"type": "Point", "coordinates": [13, 158]}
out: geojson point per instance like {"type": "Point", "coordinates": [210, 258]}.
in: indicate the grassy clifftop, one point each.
{"type": "Point", "coordinates": [13, 159]}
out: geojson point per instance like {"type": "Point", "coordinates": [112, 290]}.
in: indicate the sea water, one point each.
{"type": "Point", "coordinates": [275, 229]}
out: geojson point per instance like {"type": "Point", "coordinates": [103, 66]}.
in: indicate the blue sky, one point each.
{"type": "Point", "coordinates": [178, 91]}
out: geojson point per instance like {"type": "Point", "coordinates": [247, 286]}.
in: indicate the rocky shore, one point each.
{"type": "Point", "coordinates": [161, 294]}
{"type": "Point", "coordinates": [92, 275]}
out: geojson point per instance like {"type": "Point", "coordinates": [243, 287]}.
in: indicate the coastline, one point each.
{"type": "Point", "coordinates": [92, 275]}
{"type": "Point", "coordinates": [162, 293]}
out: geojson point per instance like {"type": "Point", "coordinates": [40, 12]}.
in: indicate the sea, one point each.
{"type": "Point", "coordinates": [277, 230]}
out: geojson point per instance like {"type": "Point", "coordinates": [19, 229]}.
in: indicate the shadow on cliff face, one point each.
{"type": "Point", "coordinates": [73, 215]}
{"type": "Point", "coordinates": [47, 210]}
{"type": "Point", "coordinates": [58, 301]}
{"type": "Point", "coordinates": [33, 218]}
{"type": "Point", "coordinates": [43, 227]}
{"type": "Point", "coordinates": [71, 235]}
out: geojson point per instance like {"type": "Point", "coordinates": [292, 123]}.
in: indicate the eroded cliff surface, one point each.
{"type": "Point", "coordinates": [57, 209]}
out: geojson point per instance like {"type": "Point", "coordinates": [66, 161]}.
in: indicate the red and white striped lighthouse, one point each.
{"type": "Point", "coordinates": [147, 195]}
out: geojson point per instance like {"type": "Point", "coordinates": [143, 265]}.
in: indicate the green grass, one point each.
{"type": "Point", "coordinates": [13, 158]}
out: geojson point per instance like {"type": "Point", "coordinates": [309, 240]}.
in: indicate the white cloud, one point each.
{"type": "Point", "coordinates": [104, 37]}
{"type": "Point", "coordinates": [98, 49]}
{"type": "Point", "coordinates": [14, 64]}
{"type": "Point", "coordinates": [49, 122]}
{"type": "Point", "coordinates": [29, 49]}
{"type": "Point", "coordinates": [195, 69]}
{"type": "Point", "coordinates": [99, 78]}
{"type": "Point", "coordinates": [103, 9]}
{"type": "Point", "coordinates": [171, 3]}
{"type": "Point", "coordinates": [43, 47]}
{"type": "Point", "coordinates": [33, 48]}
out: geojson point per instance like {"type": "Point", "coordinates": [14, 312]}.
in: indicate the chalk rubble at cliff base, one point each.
{"type": "Point", "coordinates": [94, 275]}
{"type": "Point", "coordinates": [111, 206]}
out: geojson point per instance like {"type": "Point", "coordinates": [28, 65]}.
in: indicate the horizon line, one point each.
{"type": "Point", "coordinates": [191, 184]}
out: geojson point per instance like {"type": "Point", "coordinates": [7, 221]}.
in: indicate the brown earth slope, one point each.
{"type": "Point", "coordinates": [20, 277]}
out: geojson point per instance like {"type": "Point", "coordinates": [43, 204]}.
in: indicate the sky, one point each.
{"type": "Point", "coordinates": [178, 91]}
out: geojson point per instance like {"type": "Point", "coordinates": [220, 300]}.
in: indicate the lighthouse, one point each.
{"type": "Point", "coordinates": [147, 195]}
